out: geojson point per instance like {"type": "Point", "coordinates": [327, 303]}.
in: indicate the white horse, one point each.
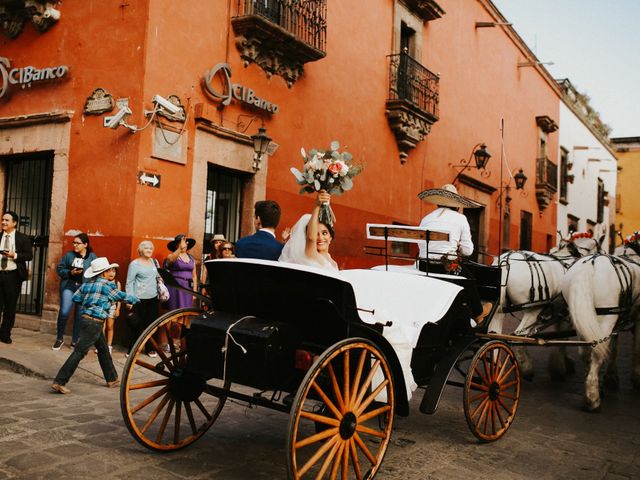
{"type": "Point", "coordinates": [596, 288]}
{"type": "Point", "coordinates": [532, 281]}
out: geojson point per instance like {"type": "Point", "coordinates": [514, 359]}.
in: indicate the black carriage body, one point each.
{"type": "Point", "coordinates": [261, 315]}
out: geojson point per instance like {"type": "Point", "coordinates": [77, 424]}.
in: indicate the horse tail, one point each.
{"type": "Point", "coordinates": [580, 298]}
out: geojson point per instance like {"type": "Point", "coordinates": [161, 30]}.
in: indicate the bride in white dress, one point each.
{"type": "Point", "coordinates": [310, 240]}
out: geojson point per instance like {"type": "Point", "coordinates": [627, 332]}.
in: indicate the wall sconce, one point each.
{"type": "Point", "coordinates": [520, 178]}
{"type": "Point", "coordinates": [261, 143]}
{"type": "Point", "coordinates": [479, 154]}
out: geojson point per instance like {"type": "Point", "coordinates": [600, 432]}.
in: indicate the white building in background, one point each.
{"type": "Point", "coordinates": [588, 170]}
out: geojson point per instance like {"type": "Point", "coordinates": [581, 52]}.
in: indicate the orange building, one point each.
{"type": "Point", "coordinates": [627, 207]}
{"type": "Point", "coordinates": [410, 87]}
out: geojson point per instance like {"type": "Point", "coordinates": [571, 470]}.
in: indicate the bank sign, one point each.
{"type": "Point", "coordinates": [246, 95]}
{"type": "Point", "coordinates": [26, 76]}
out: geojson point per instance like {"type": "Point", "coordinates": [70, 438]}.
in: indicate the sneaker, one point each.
{"type": "Point", "coordinates": [72, 345]}
{"type": "Point", "coordinates": [60, 388]}
{"type": "Point", "coordinates": [57, 345]}
{"type": "Point", "coordinates": [167, 349]}
{"type": "Point", "coordinates": [153, 354]}
{"type": "Point", "coordinates": [113, 384]}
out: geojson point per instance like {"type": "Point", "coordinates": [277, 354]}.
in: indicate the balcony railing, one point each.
{"type": "Point", "coordinates": [547, 174]}
{"type": "Point", "coordinates": [306, 20]}
{"type": "Point", "coordinates": [412, 82]}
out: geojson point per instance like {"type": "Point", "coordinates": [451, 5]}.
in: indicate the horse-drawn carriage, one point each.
{"type": "Point", "coordinates": [338, 352]}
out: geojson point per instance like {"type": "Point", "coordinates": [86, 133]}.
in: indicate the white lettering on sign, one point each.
{"type": "Point", "coordinates": [25, 76]}
{"type": "Point", "coordinates": [234, 90]}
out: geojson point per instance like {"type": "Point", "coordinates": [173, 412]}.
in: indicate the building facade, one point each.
{"type": "Point", "coordinates": [627, 207]}
{"type": "Point", "coordinates": [410, 87]}
{"type": "Point", "coordinates": [588, 172]}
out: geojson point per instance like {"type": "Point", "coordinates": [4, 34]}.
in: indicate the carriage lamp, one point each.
{"type": "Point", "coordinates": [520, 178]}
{"type": "Point", "coordinates": [261, 143]}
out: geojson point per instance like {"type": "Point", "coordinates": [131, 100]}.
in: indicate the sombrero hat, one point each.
{"type": "Point", "coordinates": [447, 196]}
{"type": "Point", "coordinates": [172, 245]}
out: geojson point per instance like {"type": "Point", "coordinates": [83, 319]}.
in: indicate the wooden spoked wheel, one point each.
{"type": "Point", "coordinates": [165, 406]}
{"type": "Point", "coordinates": [491, 391]}
{"type": "Point", "coordinates": [342, 415]}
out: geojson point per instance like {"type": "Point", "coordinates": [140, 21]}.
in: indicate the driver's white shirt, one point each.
{"type": "Point", "coordinates": [451, 222]}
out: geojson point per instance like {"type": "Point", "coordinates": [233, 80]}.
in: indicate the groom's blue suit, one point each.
{"type": "Point", "coordinates": [260, 245]}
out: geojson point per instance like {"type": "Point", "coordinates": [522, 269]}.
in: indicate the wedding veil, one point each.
{"type": "Point", "coordinates": [294, 249]}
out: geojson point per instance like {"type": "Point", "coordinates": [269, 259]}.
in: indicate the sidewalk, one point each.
{"type": "Point", "coordinates": [31, 354]}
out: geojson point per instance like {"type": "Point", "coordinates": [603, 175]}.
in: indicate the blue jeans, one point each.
{"type": "Point", "coordinates": [90, 334]}
{"type": "Point", "coordinates": [65, 308]}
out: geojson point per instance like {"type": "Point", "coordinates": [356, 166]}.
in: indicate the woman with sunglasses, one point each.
{"type": "Point", "coordinates": [227, 250]}
{"type": "Point", "coordinates": [70, 269]}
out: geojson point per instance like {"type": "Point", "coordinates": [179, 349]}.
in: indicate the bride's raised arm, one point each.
{"type": "Point", "coordinates": [311, 248]}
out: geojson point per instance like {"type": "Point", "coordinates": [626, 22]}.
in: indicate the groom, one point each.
{"type": "Point", "coordinates": [263, 243]}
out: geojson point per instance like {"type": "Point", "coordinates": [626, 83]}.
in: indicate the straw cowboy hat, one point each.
{"type": "Point", "coordinates": [173, 244]}
{"type": "Point", "coordinates": [99, 265]}
{"type": "Point", "coordinates": [447, 196]}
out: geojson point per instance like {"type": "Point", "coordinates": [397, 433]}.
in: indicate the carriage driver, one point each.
{"type": "Point", "coordinates": [446, 218]}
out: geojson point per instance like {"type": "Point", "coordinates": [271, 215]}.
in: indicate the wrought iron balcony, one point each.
{"type": "Point", "coordinates": [546, 181]}
{"type": "Point", "coordinates": [281, 36]}
{"type": "Point", "coordinates": [412, 105]}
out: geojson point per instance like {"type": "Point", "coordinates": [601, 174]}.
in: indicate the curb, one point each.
{"type": "Point", "coordinates": [21, 369]}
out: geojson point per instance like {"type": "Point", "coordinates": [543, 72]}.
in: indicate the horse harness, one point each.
{"type": "Point", "coordinates": [537, 276]}
{"type": "Point", "coordinates": [625, 280]}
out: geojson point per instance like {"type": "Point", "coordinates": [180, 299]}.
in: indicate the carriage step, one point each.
{"type": "Point", "coordinates": [443, 369]}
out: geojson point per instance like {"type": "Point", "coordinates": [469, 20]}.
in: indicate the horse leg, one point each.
{"type": "Point", "coordinates": [611, 378]}
{"type": "Point", "coordinates": [497, 323]}
{"type": "Point", "coordinates": [595, 358]}
{"type": "Point", "coordinates": [560, 364]}
{"type": "Point", "coordinates": [635, 377]}
{"type": "Point", "coordinates": [525, 363]}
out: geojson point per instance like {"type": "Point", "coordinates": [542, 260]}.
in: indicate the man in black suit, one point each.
{"type": "Point", "coordinates": [15, 251]}
{"type": "Point", "coordinates": [263, 243]}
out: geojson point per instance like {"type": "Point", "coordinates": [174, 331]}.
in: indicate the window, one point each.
{"type": "Point", "coordinates": [573, 224]}
{"type": "Point", "coordinates": [601, 200]}
{"type": "Point", "coordinates": [526, 224]}
{"type": "Point", "coordinates": [222, 212]}
{"type": "Point", "coordinates": [564, 175]}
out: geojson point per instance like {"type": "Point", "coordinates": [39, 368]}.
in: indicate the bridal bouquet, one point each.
{"type": "Point", "coordinates": [328, 170]}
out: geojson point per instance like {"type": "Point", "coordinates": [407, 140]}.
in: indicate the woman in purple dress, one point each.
{"type": "Point", "coordinates": [182, 266]}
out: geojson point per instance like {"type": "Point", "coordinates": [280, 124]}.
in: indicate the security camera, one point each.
{"type": "Point", "coordinates": [116, 120]}
{"type": "Point", "coordinates": [166, 104]}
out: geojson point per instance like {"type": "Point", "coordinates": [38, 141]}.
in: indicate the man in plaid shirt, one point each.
{"type": "Point", "coordinates": [96, 299]}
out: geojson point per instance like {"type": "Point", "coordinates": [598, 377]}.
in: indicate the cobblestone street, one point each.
{"type": "Point", "coordinates": [82, 435]}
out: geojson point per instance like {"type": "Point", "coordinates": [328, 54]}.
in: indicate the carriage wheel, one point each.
{"type": "Point", "coordinates": [349, 394]}
{"type": "Point", "coordinates": [165, 406]}
{"type": "Point", "coordinates": [491, 391]}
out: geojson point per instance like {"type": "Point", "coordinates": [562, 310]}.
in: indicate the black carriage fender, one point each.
{"type": "Point", "coordinates": [400, 389]}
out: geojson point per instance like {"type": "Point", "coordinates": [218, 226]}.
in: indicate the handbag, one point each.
{"type": "Point", "coordinates": [163, 291]}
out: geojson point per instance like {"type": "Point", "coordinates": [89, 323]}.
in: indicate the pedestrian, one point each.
{"type": "Point", "coordinates": [15, 251]}
{"type": "Point", "coordinates": [182, 266]}
{"type": "Point", "coordinates": [217, 240]}
{"type": "Point", "coordinates": [262, 244]}
{"type": "Point", "coordinates": [142, 282]}
{"type": "Point", "coordinates": [227, 250]}
{"type": "Point", "coordinates": [70, 269]}
{"type": "Point", "coordinates": [110, 323]}
{"type": "Point", "coordinates": [95, 298]}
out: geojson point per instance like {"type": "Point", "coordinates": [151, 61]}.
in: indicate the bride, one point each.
{"type": "Point", "coordinates": [310, 239]}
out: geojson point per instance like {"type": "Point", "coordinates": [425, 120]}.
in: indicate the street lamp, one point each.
{"type": "Point", "coordinates": [520, 178]}
{"type": "Point", "coordinates": [479, 154]}
{"type": "Point", "coordinates": [261, 143]}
